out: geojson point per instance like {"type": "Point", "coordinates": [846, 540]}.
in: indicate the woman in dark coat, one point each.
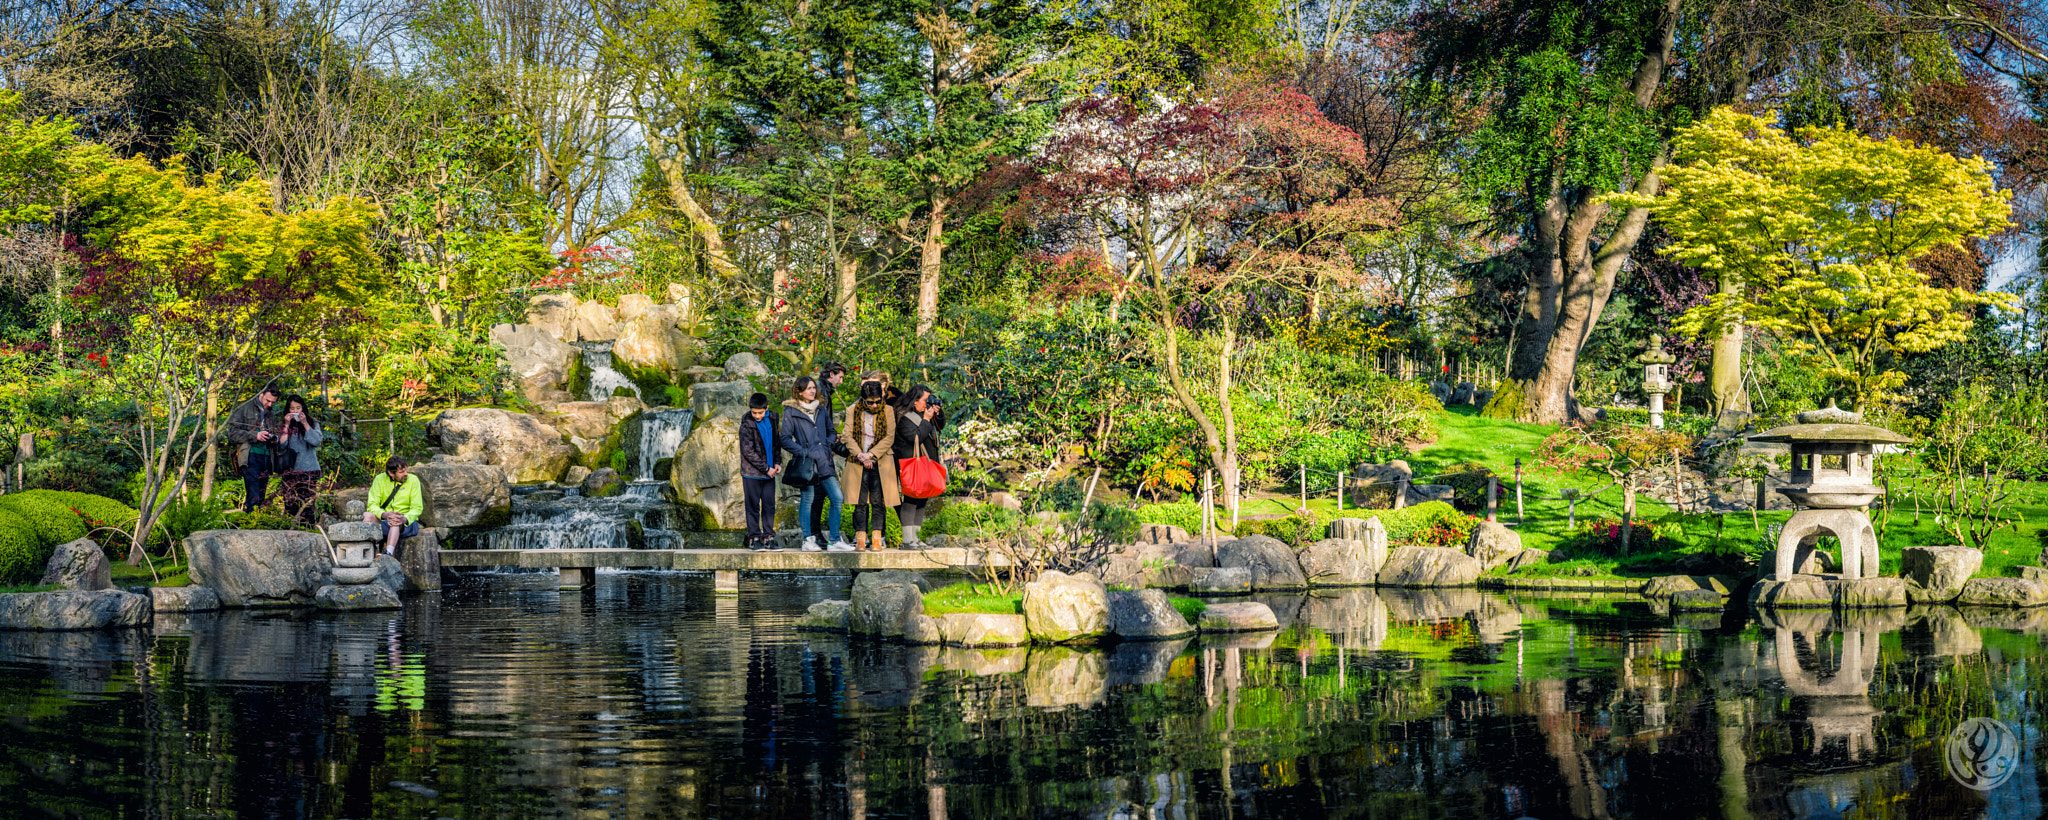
{"type": "Point", "coordinates": [916, 434]}
{"type": "Point", "coordinates": [807, 434]}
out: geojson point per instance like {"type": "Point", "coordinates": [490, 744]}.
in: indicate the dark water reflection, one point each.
{"type": "Point", "coordinates": [651, 698]}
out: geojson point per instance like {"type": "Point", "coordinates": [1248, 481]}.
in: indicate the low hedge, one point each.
{"type": "Point", "coordinates": [34, 522]}
{"type": "Point", "coordinates": [1409, 523]}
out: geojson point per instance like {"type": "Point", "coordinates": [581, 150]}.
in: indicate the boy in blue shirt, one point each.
{"type": "Point", "coordinates": [758, 468]}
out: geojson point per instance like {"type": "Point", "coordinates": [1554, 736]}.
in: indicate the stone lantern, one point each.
{"type": "Point", "coordinates": [1833, 457]}
{"type": "Point", "coordinates": [1656, 378]}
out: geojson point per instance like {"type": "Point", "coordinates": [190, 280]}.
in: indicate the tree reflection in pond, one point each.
{"type": "Point", "coordinates": [652, 697]}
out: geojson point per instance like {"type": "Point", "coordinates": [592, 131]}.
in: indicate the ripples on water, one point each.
{"type": "Point", "coordinates": [651, 698]}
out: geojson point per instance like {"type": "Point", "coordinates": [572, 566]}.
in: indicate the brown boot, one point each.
{"type": "Point", "coordinates": [880, 542]}
{"type": "Point", "coordinates": [860, 541]}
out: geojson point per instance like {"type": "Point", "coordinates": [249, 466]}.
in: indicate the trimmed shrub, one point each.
{"type": "Point", "coordinates": [22, 553]}
{"type": "Point", "coordinates": [54, 522]}
{"type": "Point", "coordinates": [98, 510]}
{"type": "Point", "coordinates": [1412, 524]}
{"type": "Point", "coordinates": [1185, 514]}
{"type": "Point", "coordinates": [970, 519]}
{"type": "Point", "coordinates": [1292, 530]}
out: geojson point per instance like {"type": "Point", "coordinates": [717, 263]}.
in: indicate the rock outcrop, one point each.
{"type": "Point", "coordinates": [1272, 564]}
{"type": "Point", "coordinates": [1338, 562]}
{"type": "Point", "coordinates": [461, 494]}
{"type": "Point", "coordinates": [890, 605]}
{"type": "Point", "coordinates": [419, 557]}
{"type": "Point", "coordinates": [1493, 544]}
{"type": "Point", "coordinates": [79, 565]}
{"type": "Point", "coordinates": [260, 568]}
{"type": "Point", "coordinates": [1242, 616]}
{"type": "Point", "coordinates": [706, 469]}
{"type": "Point", "coordinates": [1145, 615]}
{"type": "Point", "coordinates": [1429, 567]}
{"type": "Point", "coordinates": [356, 597]}
{"type": "Point", "coordinates": [524, 448]}
{"type": "Point", "coordinates": [68, 610]}
{"type": "Point", "coordinates": [974, 629]}
{"type": "Point", "coordinates": [825, 616]}
{"type": "Point", "coordinates": [183, 599]}
{"type": "Point", "coordinates": [1219, 580]}
{"type": "Point", "coordinates": [541, 361]}
{"type": "Point", "coordinates": [2003, 592]}
{"type": "Point", "coordinates": [1059, 608]}
{"type": "Point", "coordinates": [1936, 575]}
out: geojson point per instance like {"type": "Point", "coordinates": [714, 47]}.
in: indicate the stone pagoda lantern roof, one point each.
{"type": "Point", "coordinates": [1830, 426]}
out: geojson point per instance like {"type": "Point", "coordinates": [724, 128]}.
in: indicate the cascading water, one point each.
{"type": "Point", "coordinates": [604, 380]}
{"type": "Point", "coordinates": [545, 519]}
{"type": "Point", "coordinates": [661, 432]}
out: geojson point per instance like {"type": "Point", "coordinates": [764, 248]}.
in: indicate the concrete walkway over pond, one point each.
{"type": "Point", "coordinates": [578, 566]}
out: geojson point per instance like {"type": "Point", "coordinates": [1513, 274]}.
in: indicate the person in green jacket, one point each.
{"type": "Point", "coordinates": [396, 503]}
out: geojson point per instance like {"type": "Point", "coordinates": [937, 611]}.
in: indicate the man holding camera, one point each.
{"type": "Point", "coordinates": [252, 427]}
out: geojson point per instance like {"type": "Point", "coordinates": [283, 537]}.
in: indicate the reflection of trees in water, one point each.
{"type": "Point", "coordinates": [1370, 704]}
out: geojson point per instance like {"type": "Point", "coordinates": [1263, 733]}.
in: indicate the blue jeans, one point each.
{"type": "Point", "coordinates": [809, 500]}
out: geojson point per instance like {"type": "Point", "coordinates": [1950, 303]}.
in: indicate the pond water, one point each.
{"type": "Point", "coordinates": [650, 697]}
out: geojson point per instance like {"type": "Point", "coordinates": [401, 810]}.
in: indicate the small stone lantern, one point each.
{"type": "Point", "coordinates": [1833, 459]}
{"type": "Point", "coordinates": [1656, 378]}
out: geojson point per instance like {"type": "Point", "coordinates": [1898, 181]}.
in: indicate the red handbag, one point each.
{"type": "Point", "coordinates": [921, 476]}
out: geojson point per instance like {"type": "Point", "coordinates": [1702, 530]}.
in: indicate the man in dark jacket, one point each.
{"type": "Point", "coordinates": [830, 376]}
{"type": "Point", "coordinates": [759, 465]}
{"type": "Point", "coordinates": [252, 429]}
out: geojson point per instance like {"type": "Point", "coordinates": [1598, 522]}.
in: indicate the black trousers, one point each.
{"type": "Point", "coordinates": [760, 506]}
{"type": "Point", "coordinates": [868, 515]}
{"type": "Point", "coordinates": [255, 480]}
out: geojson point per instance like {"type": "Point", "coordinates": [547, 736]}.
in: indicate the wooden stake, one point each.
{"type": "Point", "coordinates": [1493, 498]}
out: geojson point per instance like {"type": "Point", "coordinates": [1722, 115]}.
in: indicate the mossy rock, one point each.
{"type": "Point", "coordinates": [1510, 401]}
{"type": "Point", "coordinates": [663, 468]}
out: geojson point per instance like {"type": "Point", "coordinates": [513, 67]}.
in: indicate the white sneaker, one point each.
{"type": "Point", "coordinates": [841, 546]}
{"type": "Point", "coordinates": [811, 544]}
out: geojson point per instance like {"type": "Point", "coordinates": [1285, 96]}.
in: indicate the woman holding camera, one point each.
{"type": "Point", "coordinates": [298, 458]}
{"type": "Point", "coordinates": [918, 419]}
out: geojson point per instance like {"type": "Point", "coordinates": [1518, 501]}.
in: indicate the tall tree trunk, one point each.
{"type": "Point", "coordinates": [930, 264]}
{"type": "Point", "coordinates": [780, 282]}
{"type": "Point", "coordinates": [1731, 396]}
{"type": "Point", "coordinates": [1229, 413]}
{"type": "Point", "coordinates": [677, 178]}
{"type": "Point", "coordinates": [1585, 275]}
{"type": "Point", "coordinates": [212, 449]}
{"type": "Point", "coordinates": [849, 296]}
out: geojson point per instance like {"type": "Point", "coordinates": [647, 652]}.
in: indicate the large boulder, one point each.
{"type": "Point", "coordinates": [389, 575]}
{"type": "Point", "coordinates": [2005, 592]}
{"type": "Point", "coordinates": [1666, 586]}
{"type": "Point", "coordinates": [890, 605]}
{"type": "Point", "coordinates": [1430, 567]}
{"type": "Point", "coordinates": [706, 473]}
{"type": "Point", "coordinates": [825, 616]}
{"type": "Point", "coordinates": [419, 557]}
{"type": "Point", "coordinates": [260, 568]}
{"type": "Point", "coordinates": [1935, 575]}
{"type": "Point", "coordinates": [183, 599]}
{"type": "Point", "coordinates": [79, 565]}
{"type": "Point", "coordinates": [1868, 593]}
{"type": "Point", "coordinates": [524, 448]}
{"type": "Point", "coordinates": [1338, 562]}
{"type": "Point", "coordinates": [1527, 558]}
{"type": "Point", "coordinates": [1145, 615]}
{"type": "Point", "coordinates": [1376, 486]}
{"type": "Point", "coordinates": [596, 322]}
{"type": "Point", "coordinates": [66, 610]}
{"type": "Point", "coordinates": [983, 629]}
{"type": "Point", "coordinates": [603, 482]}
{"type": "Point", "coordinates": [1272, 564]}
{"type": "Point", "coordinates": [1161, 534]}
{"type": "Point", "coordinates": [586, 423]}
{"type": "Point", "coordinates": [462, 494]}
{"type": "Point", "coordinates": [1797, 592]}
{"type": "Point", "coordinates": [648, 341]}
{"type": "Point", "coordinates": [1219, 581]}
{"type": "Point", "coordinates": [1425, 493]}
{"type": "Point", "coordinates": [356, 597]}
{"type": "Point", "coordinates": [1697, 600]}
{"type": "Point", "coordinates": [540, 361]}
{"type": "Point", "coordinates": [1493, 544]}
{"type": "Point", "coordinates": [715, 400]}
{"type": "Point", "coordinates": [743, 365]}
{"type": "Point", "coordinates": [1059, 608]}
{"type": "Point", "coordinates": [1242, 616]}
{"type": "Point", "coordinates": [553, 314]}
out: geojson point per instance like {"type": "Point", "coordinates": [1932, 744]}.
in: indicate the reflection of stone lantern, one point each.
{"type": "Point", "coordinates": [1833, 459]}
{"type": "Point", "coordinates": [1656, 378]}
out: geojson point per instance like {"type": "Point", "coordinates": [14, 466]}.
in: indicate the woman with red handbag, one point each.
{"type": "Point", "coordinates": [919, 472]}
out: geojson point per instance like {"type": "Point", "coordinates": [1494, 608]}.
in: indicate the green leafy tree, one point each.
{"type": "Point", "coordinates": [1814, 234]}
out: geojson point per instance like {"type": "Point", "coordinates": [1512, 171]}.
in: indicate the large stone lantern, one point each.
{"type": "Point", "coordinates": [1833, 458]}
{"type": "Point", "coordinates": [1656, 378]}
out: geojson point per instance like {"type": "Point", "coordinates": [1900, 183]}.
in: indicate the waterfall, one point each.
{"type": "Point", "coordinates": [597, 357]}
{"type": "Point", "coordinates": [661, 432]}
{"type": "Point", "coordinates": [564, 519]}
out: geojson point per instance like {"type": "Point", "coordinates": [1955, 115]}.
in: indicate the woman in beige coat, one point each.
{"type": "Point", "coordinates": [872, 488]}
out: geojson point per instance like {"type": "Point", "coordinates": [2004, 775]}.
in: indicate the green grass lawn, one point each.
{"type": "Point", "coordinates": [29, 588]}
{"type": "Point", "coordinates": [171, 575]}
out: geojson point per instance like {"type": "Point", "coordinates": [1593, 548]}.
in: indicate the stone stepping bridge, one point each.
{"type": "Point", "coordinates": [579, 566]}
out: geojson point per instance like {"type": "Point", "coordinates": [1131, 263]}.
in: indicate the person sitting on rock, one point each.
{"type": "Point", "coordinates": [396, 503]}
{"type": "Point", "coordinates": [759, 441]}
